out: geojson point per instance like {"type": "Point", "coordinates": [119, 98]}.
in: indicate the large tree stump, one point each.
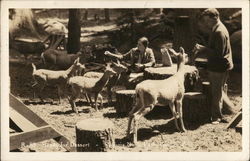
{"type": "Point", "coordinates": [125, 100]}
{"type": "Point", "coordinates": [94, 135]}
{"type": "Point", "coordinates": [191, 74]}
{"type": "Point", "coordinates": [195, 108]}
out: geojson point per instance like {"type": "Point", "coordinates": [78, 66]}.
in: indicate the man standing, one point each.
{"type": "Point", "coordinates": [219, 59]}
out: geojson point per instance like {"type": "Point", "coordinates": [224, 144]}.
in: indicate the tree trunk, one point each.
{"type": "Point", "coordinates": [86, 15]}
{"type": "Point", "coordinates": [133, 25]}
{"type": "Point", "coordinates": [195, 107]}
{"type": "Point", "coordinates": [124, 101]}
{"type": "Point", "coordinates": [94, 135]}
{"type": "Point", "coordinates": [157, 10]}
{"type": "Point", "coordinates": [107, 17]}
{"type": "Point", "coordinates": [74, 34]}
{"type": "Point", "coordinates": [185, 29]}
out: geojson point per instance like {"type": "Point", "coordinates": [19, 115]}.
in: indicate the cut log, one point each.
{"type": "Point", "coordinates": [195, 107]}
{"type": "Point", "coordinates": [191, 75]}
{"type": "Point", "coordinates": [125, 100]}
{"type": "Point", "coordinates": [94, 135]}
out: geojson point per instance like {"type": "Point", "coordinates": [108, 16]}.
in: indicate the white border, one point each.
{"type": "Point", "coordinates": [5, 5]}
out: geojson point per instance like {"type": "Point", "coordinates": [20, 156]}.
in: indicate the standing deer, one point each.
{"type": "Point", "coordinates": [169, 91]}
{"type": "Point", "coordinates": [44, 77]}
{"type": "Point", "coordinates": [81, 84]}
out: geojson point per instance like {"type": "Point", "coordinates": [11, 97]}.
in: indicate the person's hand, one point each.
{"type": "Point", "coordinates": [107, 53]}
{"type": "Point", "coordinates": [137, 65]}
{"type": "Point", "coordinates": [172, 52]}
{"type": "Point", "coordinates": [198, 48]}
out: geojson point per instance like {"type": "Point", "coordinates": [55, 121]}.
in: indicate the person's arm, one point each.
{"type": "Point", "coordinates": [217, 50]}
{"type": "Point", "coordinates": [151, 59]}
{"type": "Point", "coordinates": [107, 53]}
{"type": "Point", "coordinates": [220, 45]}
{"type": "Point", "coordinates": [120, 56]}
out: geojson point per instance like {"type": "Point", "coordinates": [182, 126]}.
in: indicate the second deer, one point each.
{"type": "Point", "coordinates": [81, 84]}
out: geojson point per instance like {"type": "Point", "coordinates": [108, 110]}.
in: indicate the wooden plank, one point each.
{"type": "Point", "coordinates": [237, 118]}
{"type": "Point", "coordinates": [28, 120]}
{"type": "Point", "coordinates": [20, 121]}
{"type": "Point", "coordinates": [25, 138]}
{"type": "Point", "coordinates": [40, 134]}
{"type": "Point", "coordinates": [21, 108]}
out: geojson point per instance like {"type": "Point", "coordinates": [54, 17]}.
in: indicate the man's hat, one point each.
{"type": "Point", "coordinates": [211, 12]}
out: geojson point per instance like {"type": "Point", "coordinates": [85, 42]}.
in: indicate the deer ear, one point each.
{"type": "Point", "coordinates": [77, 60]}
{"type": "Point", "coordinates": [182, 50]}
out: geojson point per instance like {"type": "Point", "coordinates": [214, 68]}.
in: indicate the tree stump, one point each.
{"type": "Point", "coordinates": [125, 100]}
{"type": "Point", "coordinates": [191, 75]}
{"type": "Point", "coordinates": [195, 108]}
{"type": "Point", "coordinates": [94, 135]}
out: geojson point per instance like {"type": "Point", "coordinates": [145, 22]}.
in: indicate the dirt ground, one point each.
{"type": "Point", "coordinates": [156, 131]}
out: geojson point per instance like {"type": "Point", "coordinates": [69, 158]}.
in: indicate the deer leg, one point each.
{"type": "Point", "coordinates": [101, 100]}
{"type": "Point", "coordinates": [172, 107]}
{"type": "Point", "coordinates": [34, 92]}
{"type": "Point", "coordinates": [72, 99]}
{"type": "Point", "coordinates": [131, 117]}
{"type": "Point", "coordinates": [179, 110]}
{"type": "Point", "coordinates": [96, 95]}
{"type": "Point", "coordinates": [135, 108]}
{"type": "Point", "coordinates": [109, 96]}
{"type": "Point", "coordinates": [40, 88]}
{"type": "Point", "coordinates": [141, 112]}
{"type": "Point", "coordinates": [59, 95]}
{"type": "Point", "coordinates": [135, 131]}
{"type": "Point", "coordinates": [90, 100]}
{"type": "Point", "coordinates": [87, 98]}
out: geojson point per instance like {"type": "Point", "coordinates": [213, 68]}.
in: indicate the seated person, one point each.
{"type": "Point", "coordinates": [139, 57]}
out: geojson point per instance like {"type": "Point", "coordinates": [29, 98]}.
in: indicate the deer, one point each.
{"type": "Point", "coordinates": [27, 48]}
{"type": "Point", "coordinates": [120, 70]}
{"type": "Point", "coordinates": [165, 92]}
{"type": "Point", "coordinates": [59, 60]}
{"type": "Point", "coordinates": [44, 77]}
{"type": "Point", "coordinates": [81, 84]}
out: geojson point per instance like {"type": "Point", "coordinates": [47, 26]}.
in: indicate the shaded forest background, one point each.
{"type": "Point", "coordinates": [123, 27]}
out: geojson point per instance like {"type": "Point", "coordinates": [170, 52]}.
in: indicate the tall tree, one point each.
{"type": "Point", "coordinates": [74, 28]}
{"type": "Point", "coordinates": [106, 13]}
{"type": "Point", "coordinates": [86, 14]}
{"type": "Point", "coordinates": [185, 28]}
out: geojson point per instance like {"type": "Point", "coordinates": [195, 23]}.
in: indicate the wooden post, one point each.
{"type": "Point", "coordinates": [124, 101]}
{"type": "Point", "coordinates": [94, 135]}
